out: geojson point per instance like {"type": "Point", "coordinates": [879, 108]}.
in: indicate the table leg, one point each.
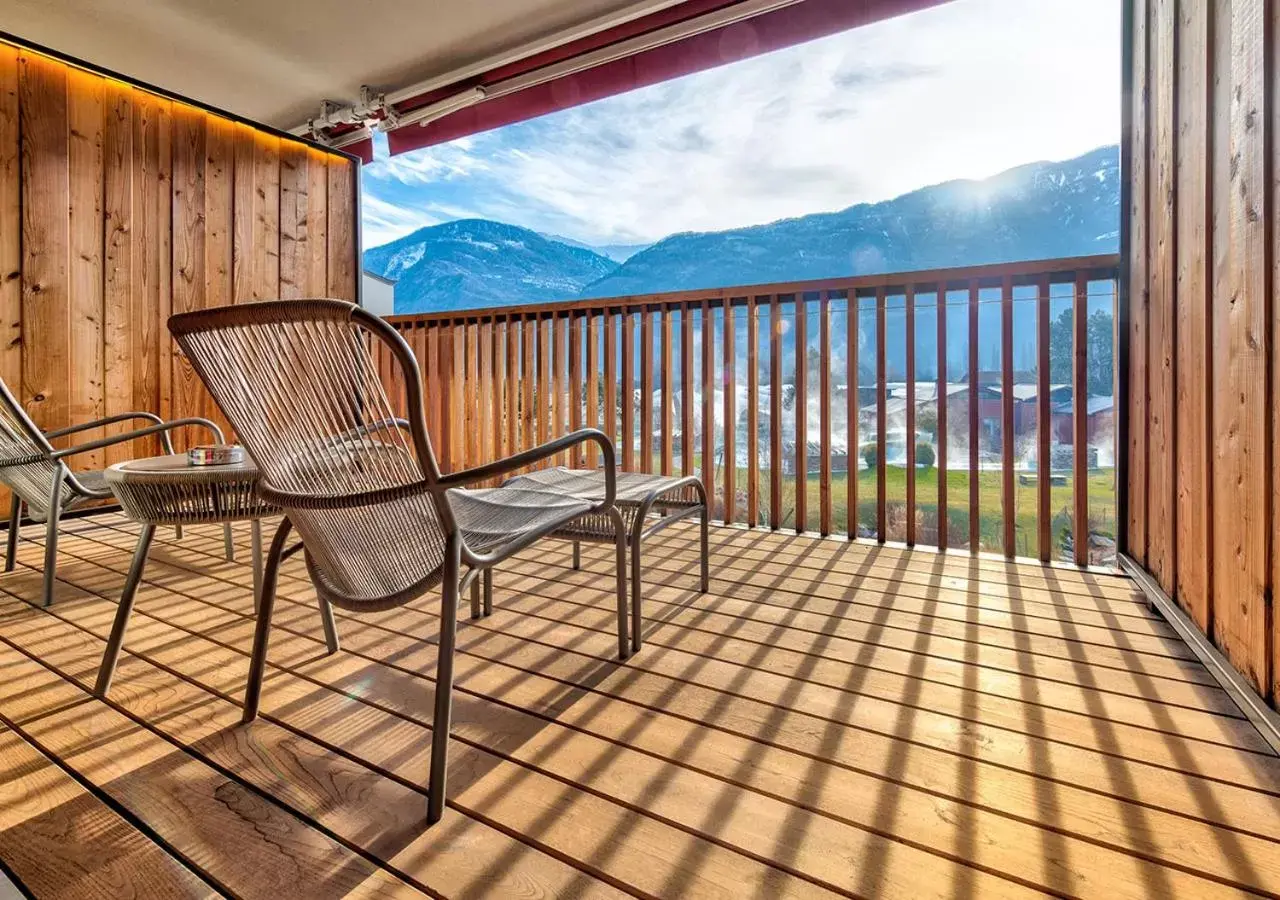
{"type": "Point", "coordinates": [114, 643]}
{"type": "Point", "coordinates": [228, 544]}
{"type": "Point", "coordinates": [577, 556]}
{"type": "Point", "coordinates": [255, 538]}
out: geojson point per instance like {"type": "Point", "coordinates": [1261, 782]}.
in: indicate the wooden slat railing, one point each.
{"type": "Point", "coordinates": [647, 369]}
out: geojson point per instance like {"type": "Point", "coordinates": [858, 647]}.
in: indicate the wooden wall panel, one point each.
{"type": "Point", "coordinates": [1138, 288]}
{"type": "Point", "coordinates": [1160, 306]}
{"type": "Point", "coordinates": [1193, 352]}
{"type": "Point", "coordinates": [117, 207]}
{"type": "Point", "coordinates": [1204, 378]}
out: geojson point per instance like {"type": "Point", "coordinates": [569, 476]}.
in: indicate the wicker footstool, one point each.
{"type": "Point", "coordinates": [167, 490]}
{"type": "Point", "coordinates": [648, 504]}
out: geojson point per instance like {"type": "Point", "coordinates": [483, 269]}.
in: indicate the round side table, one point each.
{"type": "Point", "coordinates": [168, 490]}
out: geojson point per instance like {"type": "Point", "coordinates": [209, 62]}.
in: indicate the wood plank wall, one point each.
{"type": "Point", "coordinates": [117, 207]}
{"type": "Point", "coordinates": [1204, 321]}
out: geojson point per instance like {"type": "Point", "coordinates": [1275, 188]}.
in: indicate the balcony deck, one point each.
{"type": "Point", "coordinates": [833, 719]}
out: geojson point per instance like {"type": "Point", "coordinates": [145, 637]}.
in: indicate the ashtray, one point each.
{"type": "Point", "coordinates": [215, 455]}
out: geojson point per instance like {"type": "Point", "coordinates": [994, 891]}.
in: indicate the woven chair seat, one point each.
{"type": "Point", "coordinates": [634, 488]}
{"type": "Point", "coordinates": [492, 517]}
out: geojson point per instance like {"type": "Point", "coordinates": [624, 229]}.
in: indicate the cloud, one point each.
{"type": "Point", "coordinates": [963, 90]}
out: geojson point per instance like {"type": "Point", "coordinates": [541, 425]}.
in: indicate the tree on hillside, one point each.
{"type": "Point", "coordinates": [1099, 351]}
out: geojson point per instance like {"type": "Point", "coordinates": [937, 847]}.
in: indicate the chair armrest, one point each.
{"type": "Point", "coordinates": [161, 428]}
{"type": "Point", "coordinates": [539, 453]}
{"type": "Point", "coordinates": [109, 420]}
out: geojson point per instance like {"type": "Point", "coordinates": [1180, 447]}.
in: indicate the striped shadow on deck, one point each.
{"type": "Point", "coordinates": [831, 719]}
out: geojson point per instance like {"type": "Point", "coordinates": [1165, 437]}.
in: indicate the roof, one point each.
{"type": "Point", "coordinates": [1094, 406]}
{"type": "Point", "coordinates": [376, 277]}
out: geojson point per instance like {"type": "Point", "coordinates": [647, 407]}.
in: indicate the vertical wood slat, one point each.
{"type": "Point", "coordinates": [882, 467]}
{"type": "Point", "coordinates": [1080, 418]}
{"type": "Point", "coordinates": [910, 424]}
{"type": "Point", "coordinates": [122, 272]}
{"type": "Point", "coordinates": [942, 418]}
{"type": "Point", "coordinates": [802, 413]}
{"type": "Point", "coordinates": [593, 386]}
{"type": "Point", "coordinates": [687, 441]}
{"type": "Point", "coordinates": [497, 369]}
{"type": "Point", "coordinates": [85, 98]}
{"type": "Point", "coordinates": [219, 229]}
{"type": "Point", "coordinates": [189, 277]}
{"type": "Point", "coordinates": [1160, 310]}
{"type": "Point", "coordinates": [1194, 300]}
{"type": "Point", "coordinates": [628, 392]}
{"type": "Point", "coordinates": [1007, 501]}
{"type": "Point", "coordinates": [824, 413]}
{"type": "Point", "coordinates": [853, 326]}
{"type": "Point", "coordinates": [444, 345]}
{"type": "Point", "coordinates": [342, 229]}
{"type": "Point", "coordinates": [729, 381]}
{"type": "Point", "coordinates": [646, 390]}
{"type": "Point", "coordinates": [1044, 420]}
{"type": "Point", "coordinates": [45, 384]}
{"type": "Point", "coordinates": [470, 394]}
{"type": "Point", "coordinates": [1241, 341]}
{"type": "Point", "coordinates": [546, 383]}
{"type": "Point", "coordinates": [576, 323]}
{"type": "Point", "coordinates": [528, 380]}
{"type": "Point", "coordinates": [610, 411]}
{"type": "Point", "coordinates": [11, 288]}
{"type": "Point", "coordinates": [775, 413]}
{"type": "Point", "coordinates": [668, 367]}
{"type": "Point", "coordinates": [514, 384]}
{"type": "Point", "coordinates": [753, 413]}
{"type": "Point", "coordinates": [457, 396]}
{"type": "Point", "coordinates": [559, 392]}
{"type": "Point", "coordinates": [485, 397]}
{"type": "Point", "coordinates": [1138, 290]}
{"type": "Point", "coordinates": [975, 406]}
{"type": "Point", "coordinates": [708, 402]}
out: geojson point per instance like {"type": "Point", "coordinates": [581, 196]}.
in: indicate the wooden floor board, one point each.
{"type": "Point", "coordinates": [847, 721]}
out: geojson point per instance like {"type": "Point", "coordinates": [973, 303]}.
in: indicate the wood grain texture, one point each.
{"type": "Point", "coordinates": [592, 411]}
{"type": "Point", "coordinates": [853, 326]}
{"type": "Point", "coordinates": [100, 242]}
{"type": "Point", "coordinates": [775, 413]}
{"type": "Point", "coordinates": [824, 414]}
{"type": "Point", "coordinates": [1044, 431]}
{"type": "Point", "coordinates": [882, 425]}
{"type": "Point", "coordinates": [343, 263]}
{"type": "Point", "coordinates": [1194, 374]}
{"type": "Point", "coordinates": [46, 323]}
{"type": "Point", "coordinates": [1160, 303]}
{"type": "Point", "coordinates": [974, 407]}
{"type": "Point", "coordinates": [910, 423]}
{"type": "Point", "coordinates": [646, 391]}
{"type": "Point", "coordinates": [807, 721]}
{"type": "Point", "coordinates": [1080, 420]}
{"type": "Point", "coordinates": [688, 442]}
{"type": "Point", "coordinates": [1241, 343]}
{"type": "Point", "coordinates": [708, 403]}
{"type": "Point", "coordinates": [665, 397]}
{"type": "Point", "coordinates": [610, 411]}
{"type": "Point", "coordinates": [85, 123]}
{"type": "Point", "coordinates": [60, 840]}
{"type": "Point", "coordinates": [1139, 288]}
{"type": "Point", "coordinates": [628, 397]}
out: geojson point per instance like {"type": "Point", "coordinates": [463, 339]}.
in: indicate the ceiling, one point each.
{"type": "Point", "coordinates": [272, 61]}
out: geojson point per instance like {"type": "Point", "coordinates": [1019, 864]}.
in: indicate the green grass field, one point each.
{"type": "Point", "coordinates": [1102, 506]}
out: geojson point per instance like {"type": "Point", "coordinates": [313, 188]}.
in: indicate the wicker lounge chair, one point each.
{"type": "Point", "coordinates": [38, 476]}
{"type": "Point", "coordinates": [380, 524]}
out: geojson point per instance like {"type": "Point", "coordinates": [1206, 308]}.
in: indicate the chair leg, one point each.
{"type": "Point", "coordinates": [620, 577]}
{"type": "Point", "coordinates": [706, 551]}
{"type": "Point", "coordinates": [115, 642]}
{"type": "Point", "coordinates": [262, 633]}
{"type": "Point", "coordinates": [577, 556]}
{"type": "Point", "coordinates": [637, 618]}
{"type": "Point", "coordinates": [51, 538]}
{"type": "Point", "coordinates": [444, 681]}
{"type": "Point", "coordinates": [475, 597]}
{"type": "Point", "coordinates": [488, 592]}
{"type": "Point", "coordinates": [15, 522]}
{"type": "Point", "coordinates": [330, 627]}
{"type": "Point", "coordinates": [255, 535]}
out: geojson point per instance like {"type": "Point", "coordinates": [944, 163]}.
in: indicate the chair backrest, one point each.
{"type": "Point", "coordinates": [27, 466]}
{"type": "Point", "coordinates": [298, 381]}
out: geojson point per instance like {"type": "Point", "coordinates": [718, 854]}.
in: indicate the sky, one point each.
{"type": "Point", "coordinates": [964, 90]}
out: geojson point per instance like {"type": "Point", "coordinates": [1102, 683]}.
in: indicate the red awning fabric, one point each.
{"type": "Point", "coordinates": [775, 30]}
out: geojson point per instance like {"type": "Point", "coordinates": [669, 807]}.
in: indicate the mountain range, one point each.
{"type": "Point", "coordinates": [1035, 211]}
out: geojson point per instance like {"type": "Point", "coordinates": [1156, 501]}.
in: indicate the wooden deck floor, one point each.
{"type": "Point", "coordinates": [831, 720]}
